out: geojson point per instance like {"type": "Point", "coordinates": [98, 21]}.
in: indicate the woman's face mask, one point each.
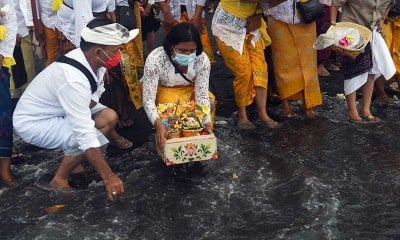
{"type": "Point", "coordinates": [112, 61]}
{"type": "Point", "coordinates": [183, 59]}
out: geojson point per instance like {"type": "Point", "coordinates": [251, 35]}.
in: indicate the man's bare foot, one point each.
{"type": "Point", "coordinates": [7, 178]}
{"type": "Point", "coordinates": [60, 183]}
{"type": "Point", "coordinates": [270, 123]}
{"type": "Point", "coordinates": [310, 113]}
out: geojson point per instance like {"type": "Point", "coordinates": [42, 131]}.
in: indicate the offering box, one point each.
{"type": "Point", "coordinates": [189, 149]}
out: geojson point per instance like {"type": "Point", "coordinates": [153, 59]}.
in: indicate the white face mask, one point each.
{"type": "Point", "coordinates": [183, 59]}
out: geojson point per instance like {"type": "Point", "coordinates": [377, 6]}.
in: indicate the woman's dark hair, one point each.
{"type": "Point", "coordinates": [182, 32]}
{"type": "Point", "coordinates": [95, 22]}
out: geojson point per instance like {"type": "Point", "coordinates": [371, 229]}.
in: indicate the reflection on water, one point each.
{"type": "Point", "coordinates": [326, 179]}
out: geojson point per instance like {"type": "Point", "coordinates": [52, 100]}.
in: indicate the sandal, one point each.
{"type": "Point", "coordinates": [122, 143]}
{"type": "Point", "coordinates": [371, 119]}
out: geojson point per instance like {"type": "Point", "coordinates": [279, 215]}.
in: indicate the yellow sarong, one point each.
{"type": "Point", "coordinates": [249, 68]}
{"type": "Point", "coordinates": [182, 94]}
{"type": "Point", "coordinates": [391, 33]}
{"type": "Point", "coordinates": [134, 49]}
{"type": "Point", "coordinates": [205, 40]}
{"type": "Point", "coordinates": [295, 61]}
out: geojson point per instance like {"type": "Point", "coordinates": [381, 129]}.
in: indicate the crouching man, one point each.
{"type": "Point", "coordinates": [60, 107]}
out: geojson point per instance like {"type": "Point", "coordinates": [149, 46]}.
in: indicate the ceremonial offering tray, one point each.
{"type": "Point", "coordinates": [189, 149]}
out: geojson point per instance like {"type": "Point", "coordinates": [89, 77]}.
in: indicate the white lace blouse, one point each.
{"type": "Point", "coordinates": [9, 20]}
{"type": "Point", "coordinates": [158, 69]}
{"type": "Point", "coordinates": [231, 30]}
{"type": "Point", "coordinates": [285, 12]}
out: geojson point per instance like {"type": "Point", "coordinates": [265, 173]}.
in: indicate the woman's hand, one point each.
{"type": "Point", "coordinates": [253, 23]}
{"type": "Point", "coordinates": [161, 133]}
{"type": "Point", "coordinates": [379, 25]}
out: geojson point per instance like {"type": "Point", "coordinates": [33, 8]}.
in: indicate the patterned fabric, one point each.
{"type": "Point", "coordinates": [354, 67]}
{"type": "Point", "coordinates": [295, 61]}
{"type": "Point", "coordinates": [159, 70]}
{"type": "Point", "coordinates": [205, 40]}
{"type": "Point", "coordinates": [249, 68]}
{"type": "Point", "coordinates": [6, 129]}
{"type": "Point", "coordinates": [135, 63]}
{"type": "Point", "coordinates": [390, 30]}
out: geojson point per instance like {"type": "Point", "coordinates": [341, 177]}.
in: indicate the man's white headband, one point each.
{"type": "Point", "coordinates": [111, 34]}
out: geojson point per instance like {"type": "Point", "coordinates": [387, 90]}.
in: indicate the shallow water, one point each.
{"type": "Point", "coordinates": [324, 179]}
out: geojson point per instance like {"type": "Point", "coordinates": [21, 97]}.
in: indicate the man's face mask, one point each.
{"type": "Point", "coordinates": [112, 61]}
{"type": "Point", "coordinates": [183, 59]}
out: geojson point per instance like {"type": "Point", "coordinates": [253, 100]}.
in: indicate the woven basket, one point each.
{"type": "Point", "coordinates": [353, 53]}
{"type": "Point", "coordinates": [191, 132]}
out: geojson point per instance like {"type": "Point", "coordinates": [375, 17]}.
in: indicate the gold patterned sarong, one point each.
{"type": "Point", "coordinates": [391, 33]}
{"type": "Point", "coordinates": [249, 68]}
{"type": "Point", "coordinates": [134, 66]}
{"type": "Point", "coordinates": [182, 93]}
{"type": "Point", "coordinates": [205, 40]}
{"type": "Point", "coordinates": [295, 61]}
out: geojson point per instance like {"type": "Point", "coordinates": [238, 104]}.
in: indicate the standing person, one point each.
{"type": "Point", "coordinates": [134, 62]}
{"type": "Point", "coordinates": [149, 24]}
{"type": "Point", "coordinates": [24, 70]}
{"type": "Point", "coordinates": [324, 56]}
{"type": "Point", "coordinates": [295, 60]}
{"type": "Point", "coordinates": [358, 72]}
{"type": "Point", "coordinates": [8, 33]}
{"type": "Point", "coordinates": [240, 37]}
{"type": "Point", "coordinates": [391, 34]}
{"type": "Point", "coordinates": [73, 17]}
{"type": "Point", "coordinates": [175, 11]}
{"type": "Point", "coordinates": [59, 109]}
{"type": "Point", "coordinates": [48, 16]}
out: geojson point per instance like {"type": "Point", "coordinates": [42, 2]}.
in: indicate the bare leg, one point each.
{"type": "Point", "coordinates": [5, 171]}
{"type": "Point", "coordinates": [352, 107]}
{"type": "Point", "coordinates": [380, 89]}
{"type": "Point", "coordinates": [287, 110]}
{"type": "Point", "coordinates": [242, 115]}
{"type": "Point", "coordinates": [261, 103]}
{"type": "Point", "coordinates": [367, 91]}
{"type": "Point", "coordinates": [68, 164]}
{"type": "Point", "coordinates": [322, 70]}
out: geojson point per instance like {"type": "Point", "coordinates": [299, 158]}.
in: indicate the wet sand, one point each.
{"type": "Point", "coordinates": [321, 179]}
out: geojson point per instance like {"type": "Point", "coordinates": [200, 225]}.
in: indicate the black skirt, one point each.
{"type": "Point", "coordinates": [361, 64]}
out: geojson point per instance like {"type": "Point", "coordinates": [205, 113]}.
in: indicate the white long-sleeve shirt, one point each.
{"type": "Point", "coordinates": [175, 7]}
{"type": "Point", "coordinates": [158, 69]}
{"type": "Point", "coordinates": [9, 21]}
{"type": "Point", "coordinates": [71, 20]}
{"type": "Point", "coordinates": [47, 15]}
{"type": "Point", "coordinates": [60, 90]}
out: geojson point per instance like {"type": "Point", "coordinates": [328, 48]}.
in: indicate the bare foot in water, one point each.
{"type": "Point", "coordinates": [270, 123]}
{"type": "Point", "coordinates": [310, 113]}
{"type": "Point", "coordinates": [60, 184]}
{"type": "Point", "coordinates": [7, 178]}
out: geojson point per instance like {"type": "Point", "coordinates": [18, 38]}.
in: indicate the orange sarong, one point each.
{"type": "Point", "coordinates": [182, 94]}
{"type": "Point", "coordinates": [391, 33]}
{"type": "Point", "coordinates": [52, 44]}
{"type": "Point", "coordinates": [133, 67]}
{"type": "Point", "coordinates": [205, 40]}
{"type": "Point", "coordinates": [295, 61]}
{"type": "Point", "coordinates": [249, 68]}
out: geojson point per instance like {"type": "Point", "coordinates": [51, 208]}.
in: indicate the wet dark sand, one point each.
{"type": "Point", "coordinates": [321, 179]}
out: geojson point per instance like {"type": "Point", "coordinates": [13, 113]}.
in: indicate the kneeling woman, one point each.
{"type": "Point", "coordinates": [176, 73]}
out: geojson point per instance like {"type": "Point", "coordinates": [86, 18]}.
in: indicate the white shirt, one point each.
{"type": "Point", "coordinates": [175, 7]}
{"type": "Point", "coordinates": [9, 21]}
{"type": "Point", "coordinates": [71, 21]}
{"type": "Point", "coordinates": [61, 90]}
{"type": "Point", "coordinates": [47, 15]}
{"type": "Point", "coordinates": [158, 69]}
{"type": "Point", "coordinates": [23, 10]}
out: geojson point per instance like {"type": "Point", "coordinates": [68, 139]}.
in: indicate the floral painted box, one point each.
{"type": "Point", "coordinates": [189, 149]}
